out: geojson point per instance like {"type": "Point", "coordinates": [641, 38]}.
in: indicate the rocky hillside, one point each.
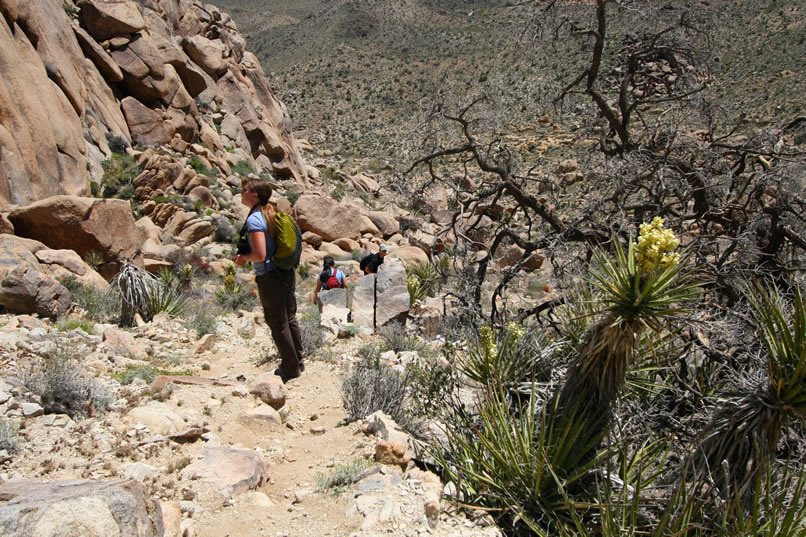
{"type": "Point", "coordinates": [84, 81]}
{"type": "Point", "coordinates": [358, 74]}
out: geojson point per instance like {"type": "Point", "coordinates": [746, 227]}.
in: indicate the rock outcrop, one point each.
{"type": "Point", "coordinates": [81, 81]}
{"type": "Point", "coordinates": [78, 507]}
{"type": "Point", "coordinates": [82, 225]}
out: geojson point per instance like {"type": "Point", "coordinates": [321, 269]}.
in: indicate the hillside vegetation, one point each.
{"type": "Point", "coordinates": [357, 74]}
{"type": "Point", "coordinates": [647, 160]}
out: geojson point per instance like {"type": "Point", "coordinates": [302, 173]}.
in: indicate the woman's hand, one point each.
{"type": "Point", "coordinates": [240, 260]}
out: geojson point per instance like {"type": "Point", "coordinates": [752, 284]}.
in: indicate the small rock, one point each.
{"type": "Point", "coordinates": [264, 413]}
{"type": "Point", "coordinates": [204, 344]}
{"type": "Point", "coordinates": [247, 328]}
{"type": "Point", "coordinates": [391, 453]}
{"type": "Point", "coordinates": [301, 494]}
{"type": "Point", "coordinates": [31, 410]}
{"type": "Point", "coordinates": [317, 430]}
{"type": "Point", "coordinates": [140, 471]}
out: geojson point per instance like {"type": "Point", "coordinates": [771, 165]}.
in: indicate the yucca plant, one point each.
{"type": "Point", "coordinates": [167, 298]}
{"type": "Point", "coordinates": [135, 286]}
{"type": "Point", "coordinates": [741, 439]}
{"type": "Point", "coordinates": [514, 462]}
{"type": "Point", "coordinates": [167, 277]}
{"type": "Point", "coordinates": [639, 290]}
{"type": "Point", "coordinates": [508, 357]}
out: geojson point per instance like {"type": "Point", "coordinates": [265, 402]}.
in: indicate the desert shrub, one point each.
{"type": "Point", "coordinates": [432, 383]}
{"type": "Point", "coordinates": [202, 320]}
{"type": "Point", "coordinates": [101, 306]}
{"type": "Point", "coordinates": [64, 388]}
{"type": "Point", "coordinates": [167, 298]}
{"type": "Point", "coordinates": [119, 172]}
{"type": "Point", "coordinates": [350, 330]}
{"type": "Point", "coordinates": [397, 339]}
{"type": "Point", "coordinates": [117, 144]}
{"type": "Point", "coordinates": [232, 296]}
{"type": "Point", "coordinates": [143, 293]}
{"type": "Point", "coordinates": [292, 196]}
{"type": "Point", "coordinates": [342, 476]}
{"type": "Point", "coordinates": [93, 258]}
{"type": "Point", "coordinates": [311, 331]}
{"type": "Point", "coordinates": [373, 385]}
{"type": "Point", "coordinates": [134, 285]}
{"type": "Point", "coordinates": [9, 439]}
{"type": "Point", "coordinates": [508, 357]}
{"type": "Point", "coordinates": [199, 167]}
{"type": "Point", "coordinates": [337, 192]}
{"type": "Point", "coordinates": [65, 325]}
{"type": "Point", "coordinates": [369, 351]}
{"type": "Point", "coordinates": [303, 270]}
{"type": "Point", "coordinates": [224, 230]}
{"type": "Point", "coordinates": [147, 373]}
{"type": "Point", "coordinates": [425, 278]}
{"type": "Point", "coordinates": [242, 167]}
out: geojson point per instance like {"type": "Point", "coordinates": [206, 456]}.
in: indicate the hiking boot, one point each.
{"type": "Point", "coordinates": [285, 378]}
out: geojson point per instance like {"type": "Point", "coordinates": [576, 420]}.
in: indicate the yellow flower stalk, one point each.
{"type": "Point", "coordinates": [653, 250]}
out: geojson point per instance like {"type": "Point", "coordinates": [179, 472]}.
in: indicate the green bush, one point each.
{"type": "Point", "coordinates": [203, 320]}
{"type": "Point", "coordinates": [232, 296]}
{"type": "Point", "coordinates": [311, 331]}
{"type": "Point", "coordinates": [432, 384]}
{"type": "Point", "coordinates": [424, 279]}
{"type": "Point", "coordinates": [292, 196]}
{"type": "Point", "coordinates": [342, 476]}
{"type": "Point", "coordinates": [147, 373]}
{"type": "Point", "coordinates": [119, 172]}
{"type": "Point", "coordinates": [398, 341]}
{"type": "Point", "coordinates": [243, 168]}
{"type": "Point", "coordinates": [101, 306]}
{"type": "Point", "coordinates": [65, 325]}
{"type": "Point", "coordinates": [303, 270]}
{"type": "Point", "coordinates": [337, 192]}
{"type": "Point", "coordinates": [199, 167]}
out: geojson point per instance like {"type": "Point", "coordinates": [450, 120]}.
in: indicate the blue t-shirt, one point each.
{"type": "Point", "coordinates": [257, 222]}
{"type": "Point", "coordinates": [327, 273]}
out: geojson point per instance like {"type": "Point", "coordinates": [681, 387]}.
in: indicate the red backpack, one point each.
{"type": "Point", "coordinates": [333, 281]}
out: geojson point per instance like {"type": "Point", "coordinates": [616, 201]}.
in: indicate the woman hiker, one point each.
{"type": "Point", "coordinates": [275, 286]}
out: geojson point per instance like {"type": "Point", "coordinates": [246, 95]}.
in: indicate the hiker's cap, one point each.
{"type": "Point", "coordinates": [384, 248]}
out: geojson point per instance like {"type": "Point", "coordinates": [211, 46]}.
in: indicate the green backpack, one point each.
{"type": "Point", "coordinates": [289, 243]}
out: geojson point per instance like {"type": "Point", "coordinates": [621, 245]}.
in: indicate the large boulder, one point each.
{"type": "Point", "coordinates": [78, 507]}
{"type": "Point", "coordinates": [363, 304]}
{"type": "Point", "coordinates": [83, 225]}
{"type": "Point", "coordinates": [208, 54]}
{"type": "Point", "coordinates": [385, 222]}
{"type": "Point", "coordinates": [41, 143]}
{"type": "Point", "coordinates": [392, 300]}
{"type": "Point", "coordinates": [327, 218]}
{"type": "Point", "coordinates": [27, 290]}
{"type": "Point", "coordinates": [104, 19]}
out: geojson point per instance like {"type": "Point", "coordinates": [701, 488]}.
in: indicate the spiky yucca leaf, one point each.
{"type": "Point", "coordinates": [645, 297]}
{"type": "Point", "coordinates": [515, 461]}
{"type": "Point", "coordinates": [135, 286]}
{"type": "Point", "coordinates": [743, 434]}
{"type": "Point", "coordinates": [783, 331]}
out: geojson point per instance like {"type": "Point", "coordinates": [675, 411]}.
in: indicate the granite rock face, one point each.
{"type": "Point", "coordinates": [78, 507]}
{"type": "Point", "coordinates": [81, 81]}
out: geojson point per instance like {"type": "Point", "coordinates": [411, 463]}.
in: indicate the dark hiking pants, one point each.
{"type": "Point", "coordinates": [276, 290]}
